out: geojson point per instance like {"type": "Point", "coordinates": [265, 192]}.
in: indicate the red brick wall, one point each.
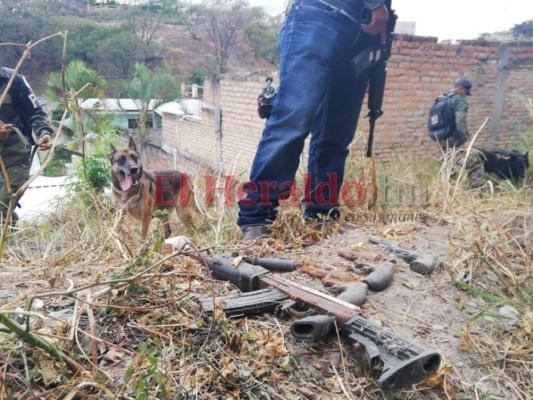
{"type": "Point", "coordinates": [419, 70]}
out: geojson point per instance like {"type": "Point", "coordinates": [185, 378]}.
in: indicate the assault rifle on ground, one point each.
{"type": "Point", "coordinates": [375, 58]}
{"type": "Point", "coordinates": [399, 361]}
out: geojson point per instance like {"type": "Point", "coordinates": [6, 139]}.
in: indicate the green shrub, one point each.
{"type": "Point", "coordinates": [96, 177]}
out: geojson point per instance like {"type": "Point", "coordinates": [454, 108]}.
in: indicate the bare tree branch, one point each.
{"type": "Point", "coordinates": [144, 22]}
{"type": "Point", "coordinates": [224, 24]}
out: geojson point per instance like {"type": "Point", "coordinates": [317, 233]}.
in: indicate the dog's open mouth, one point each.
{"type": "Point", "coordinates": [128, 181]}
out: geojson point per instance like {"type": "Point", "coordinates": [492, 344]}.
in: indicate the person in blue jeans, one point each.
{"type": "Point", "coordinates": [318, 94]}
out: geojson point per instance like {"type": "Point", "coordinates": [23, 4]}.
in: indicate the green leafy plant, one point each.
{"type": "Point", "coordinates": [198, 76]}
{"type": "Point", "coordinates": [98, 174]}
{"type": "Point", "coordinates": [148, 89]}
{"type": "Point", "coordinates": [152, 382]}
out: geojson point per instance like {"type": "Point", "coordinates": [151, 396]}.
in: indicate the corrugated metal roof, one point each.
{"type": "Point", "coordinates": [115, 105]}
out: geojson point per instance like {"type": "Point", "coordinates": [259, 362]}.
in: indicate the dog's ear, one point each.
{"type": "Point", "coordinates": [131, 144]}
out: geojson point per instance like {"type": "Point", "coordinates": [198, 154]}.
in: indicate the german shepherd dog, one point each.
{"type": "Point", "coordinates": [138, 193]}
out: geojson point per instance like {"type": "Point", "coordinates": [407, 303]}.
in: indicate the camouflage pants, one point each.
{"type": "Point", "coordinates": [473, 168]}
{"type": "Point", "coordinates": [456, 140]}
{"type": "Point", "coordinates": [16, 158]}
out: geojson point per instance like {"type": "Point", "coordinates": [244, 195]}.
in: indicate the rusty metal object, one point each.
{"type": "Point", "coordinates": [348, 254]}
{"type": "Point", "coordinates": [331, 278]}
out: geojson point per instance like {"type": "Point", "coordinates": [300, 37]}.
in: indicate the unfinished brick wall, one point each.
{"type": "Point", "coordinates": [232, 148]}
{"type": "Point", "coordinates": [157, 159]}
{"type": "Point", "coordinates": [193, 137]}
{"type": "Point", "coordinates": [241, 126]}
{"type": "Point", "coordinates": [419, 70]}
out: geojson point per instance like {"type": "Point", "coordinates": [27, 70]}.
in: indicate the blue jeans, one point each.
{"type": "Point", "coordinates": [318, 94]}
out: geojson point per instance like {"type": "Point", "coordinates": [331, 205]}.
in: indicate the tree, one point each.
{"type": "Point", "coordinates": [262, 33]}
{"type": "Point", "coordinates": [170, 8]}
{"type": "Point", "coordinates": [224, 22]}
{"type": "Point", "coordinates": [70, 90]}
{"type": "Point", "coordinates": [84, 38]}
{"type": "Point", "coordinates": [77, 76]}
{"type": "Point", "coordinates": [22, 28]}
{"type": "Point", "coordinates": [58, 7]}
{"type": "Point", "coordinates": [145, 20]}
{"type": "Point", "coordinates": [192, 19]}
{"type": "Point", "coordinates": [198, 77]}
{"type": "Point", "coordinates": [148, 89]}
{"type": "Point", "coordinates": [78, 83]}
{"type": "Point", "coordinates": [524, 29]}
{"type": "Point", "coordinates": [118, 54]}
{"type": "Point", "coordinates": [17, 7]}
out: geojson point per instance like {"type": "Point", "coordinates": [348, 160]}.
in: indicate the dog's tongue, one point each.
{"type": "Point", "coordinates": [127, 182]}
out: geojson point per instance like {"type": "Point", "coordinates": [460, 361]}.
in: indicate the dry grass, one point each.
{"type": "Point", "coordinates": [146, 338]}
{"type": "Point", "coordinates": [138, 331]}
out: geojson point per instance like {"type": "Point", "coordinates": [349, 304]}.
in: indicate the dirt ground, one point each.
{"type": "Point", "coordinates": [414, 306]}
{"type": "Point", "coordinates": [417, 307]}
{"type": "Point", "coordinates": [430, 310]}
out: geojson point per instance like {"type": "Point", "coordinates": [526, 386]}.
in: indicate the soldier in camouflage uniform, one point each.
{"type": "Point", "coordinates": [474, 169]}
{"type": "Point", "coordinates": [458, 102]}
{"type": "Point", "coordinates": [20, 113]}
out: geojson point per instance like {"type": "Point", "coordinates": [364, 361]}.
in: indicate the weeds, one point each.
{"type": "Point", "coordinates": [134, 325]}
{"type": "Point", "coordinates": [136, 328]}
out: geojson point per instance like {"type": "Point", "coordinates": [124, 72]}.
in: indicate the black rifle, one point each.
{"type": "Point", "coordinates": [399, 361]}
{"type": "Point", "coordinates": [375, 58]}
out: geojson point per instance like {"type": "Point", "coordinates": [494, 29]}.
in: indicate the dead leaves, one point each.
{"type": "Point", "coordinates": [527, 325]}
{"type": "Point", "coordinates": [439, 380]}
{"type": "Point", "coordinates": [252, 356]}
{"type": "Point", "coordinates": [114, 355]}
{"type": "Point", "coordinates": [49, 369]}
{"type": "Point", "coordinates": [271, 343]}
{"type": "Point", "coordinates": [464, 339]}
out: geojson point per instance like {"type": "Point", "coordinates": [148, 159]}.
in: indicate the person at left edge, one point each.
{"type": "Point", "coordinates": [22, 112]}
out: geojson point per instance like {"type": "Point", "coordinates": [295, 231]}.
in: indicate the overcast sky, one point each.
{"type": "Point", "coordinates": [450, 19]}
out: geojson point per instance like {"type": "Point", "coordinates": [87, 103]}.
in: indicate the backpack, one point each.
{"type": "Point", "coordinates": [441, 120]}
